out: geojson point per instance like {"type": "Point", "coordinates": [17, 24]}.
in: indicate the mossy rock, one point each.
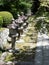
{"type": "Point", "coordinates": [7, 17]}
{"type": "Point", "coordinates": [9, 57]}
{"type": "Point", "coordinates": [0, 53]}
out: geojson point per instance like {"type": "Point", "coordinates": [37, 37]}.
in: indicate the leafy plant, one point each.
{"type": "Point", "coordinates": [6, 17]}
{"type": "Point", "coordinates": [1, 21]}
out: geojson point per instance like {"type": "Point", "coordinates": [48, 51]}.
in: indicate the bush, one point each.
{"type": "Point", "coordinates": [1, 21]}
{"type": "Point", "coordinates": [7, 17]}
{"type": "Point", "coordinates": [40, 21]}
{"type": "Point", "coordinates": [41, 11]}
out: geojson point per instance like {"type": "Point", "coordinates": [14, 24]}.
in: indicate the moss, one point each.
{"type": "Point", "coordinates": [1, 21]}
{"type": "Point", "coordinates": [1, 29]}
{"type": "Point", "coordinates": [7, 17]}
{"type": "Point", "coordinates": [0, 53]}
{"type": "Point", "coordinates": [9, 57]}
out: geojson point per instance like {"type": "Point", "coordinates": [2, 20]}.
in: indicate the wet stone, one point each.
{"type": "Point", "coordinates": [2, 62]}
{"type": "Point", "coordinates": [9, 63]}
{"type": "Point", "coordinates": [3, 56]}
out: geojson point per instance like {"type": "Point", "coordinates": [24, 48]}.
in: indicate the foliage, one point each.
{"type": "Point", "coordinates": [44, 2]}
{"type": "Point", "coordinates": [15, 6]}
{"type": "Point", "coordinates": [39, 21]}
{"type": "Point", "coordinates": [42, 12]}
{"type": "Point", "coordinates": [35, 6]}
{"type": "Point", "coordinates": [24, 6]}
{"type": "Point", "coordinates": [1, 21]}
{"type": "Point", "coordinates": [7, 17]}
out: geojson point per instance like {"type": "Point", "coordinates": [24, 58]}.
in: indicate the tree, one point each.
{"type": "Point", "coordinates": [15, 6]}
{"type": "Point", "coordinates": [42, 12]}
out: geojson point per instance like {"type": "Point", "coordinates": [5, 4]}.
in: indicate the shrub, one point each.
{"type": "Point", "coordinates": [41, 11]}
{"type": "Point", "coordinates": [7, 17]}
{"type": "Point", "coordinates": [40, 21]}
{"type": "Point", "coordinates": [1, 21]}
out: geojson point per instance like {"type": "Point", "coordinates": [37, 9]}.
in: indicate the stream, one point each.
{"type": "Point", "coordinates": [42, 51]}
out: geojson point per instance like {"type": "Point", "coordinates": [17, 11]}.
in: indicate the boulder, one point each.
{"type": "Point", "coordinates": [9, 63]}
{"type": "Point", "coordinates": [3, 56]}
{"type": "Point", "coordinates": [2, 62]}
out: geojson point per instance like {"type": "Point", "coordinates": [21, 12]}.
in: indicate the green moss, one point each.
{"type": "Point", "coordinates": [1, 21]}
{"type": "Point", "coordinates": [9, 57]}
{"type": "Point", "coordinates": [7, 17]}
{"type": "Point", "coordinates": [0, 53]}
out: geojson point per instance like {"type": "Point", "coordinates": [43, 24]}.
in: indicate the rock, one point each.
{"type": "Point", "coordinates": [2, 62]}
{"type": "Point", "coordinates": [23, 35]}
{"type": "Point", "coordinates": [3, 37]}
{"type": "Point", "coordinates": [20, 41]}
{"type": "Point", "coordinates": [1, 44]}
{"type": "Point", "coordinates": [3, 56]}
{"type": "Point", "coordinates": [10, 50]}
{"type": "Point", "coordinates": [17, 50]}
{"type": "Point", "coordinates": [9, 39]}
{"type": "Point", "coordinates": [10, 63]}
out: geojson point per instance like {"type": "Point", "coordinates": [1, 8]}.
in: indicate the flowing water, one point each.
{"type": "Point", "coordinates": [42, 51]}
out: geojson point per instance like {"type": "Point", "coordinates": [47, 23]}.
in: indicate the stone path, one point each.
{"type": "Point", "coordinates": [42, 51]}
